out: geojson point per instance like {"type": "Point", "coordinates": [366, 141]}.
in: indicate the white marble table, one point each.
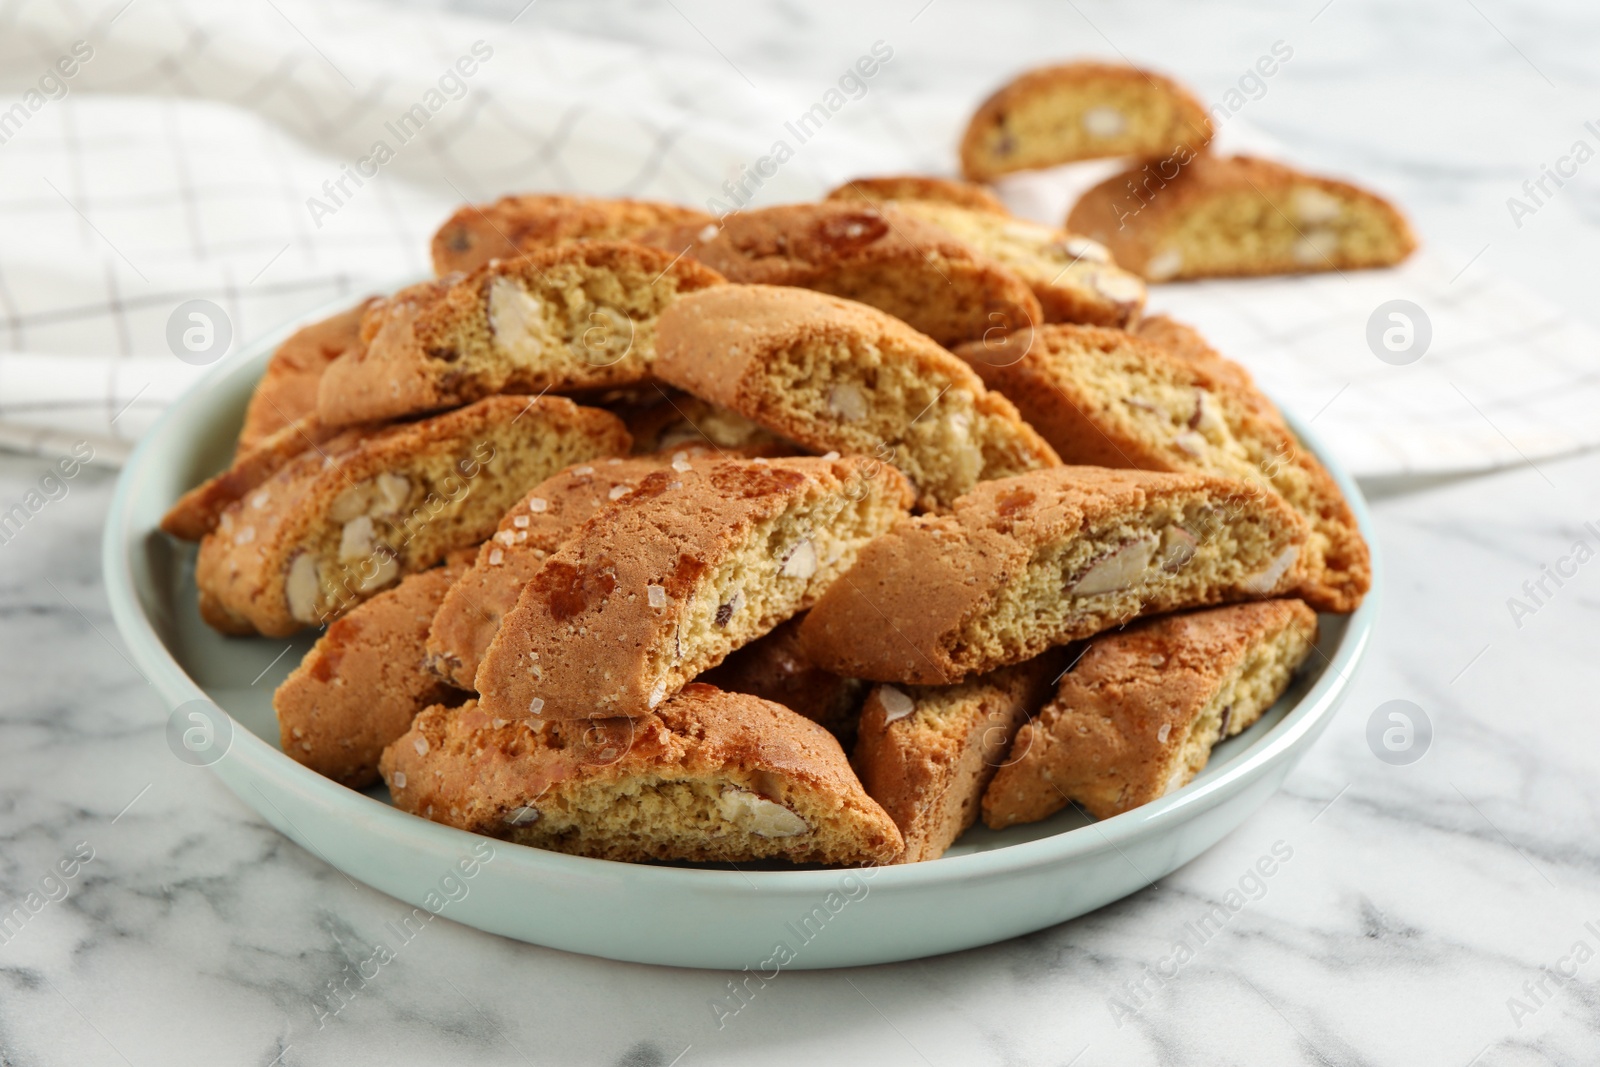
{"type": "Point", "coordinates": [1428, 911]}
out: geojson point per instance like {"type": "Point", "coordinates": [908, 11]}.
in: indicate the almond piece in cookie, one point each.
{"type": "Point", "coordinates": [1231, 216]}
{"type": "Point", "coordinates": [707, 776]}
{"type": "Point", "coordinates": [1083, 110]}
{"type": "Point", "coordinates": [697, 560]}
{"type": "Point", "coordinates": [1138, 714]}
{"type": "Point", "coordinates": [1113, 399]}
{"type": "Point", "coordinates": [1025, 563]}
{"type": "Point", "coordinates": [895, 188]}
{"type": "Point", "coordinates": [926, 753]}
{"type": "Point", "coordinates": [776, 668]}
{"type": "Point", "coordinates": [539, 524]}
{"type": "Point", "coordinates": [1073, 277]}
{"type": "Point", "coordinates": [516, 225]}
{"type": "Point", "coordinates": [671, 418]}
{"type": "Point", "coordinates": [362, 683]}
{"type": "Point", "coordinates": [835, 375]}
{"type": "Point", "coordinates": [331, 528]}
{"type": "Point", "coordinates": [287, 391]}
{"type": "Point", "coordinates": [877, 254]}
{"type": "Point", "coordinates": [573, 317]}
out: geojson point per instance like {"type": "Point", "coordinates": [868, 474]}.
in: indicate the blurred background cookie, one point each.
{"type": "Point", "coordinates": [516, 225]}
{"type": "Point", "coordinates": [1228, 216]}
{"type": "Point", "coordinates": [1081, 110]}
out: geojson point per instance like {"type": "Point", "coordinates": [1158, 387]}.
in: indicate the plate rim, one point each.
{"type": "Point", "coordinates": [1298, 727]}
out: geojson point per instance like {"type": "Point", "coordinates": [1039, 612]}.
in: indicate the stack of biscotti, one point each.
{"type": "Point", "coordinates": [815, 534]}
{"type": "Point", "coordinates": [953, 272]}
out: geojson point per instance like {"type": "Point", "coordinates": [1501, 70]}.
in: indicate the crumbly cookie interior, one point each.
{"type": "Point", "coordinates": [1244, 695]}
{"type": "Point", "coordinates": [656, 816]}
{"type": "Point", "coordinates": [850, 395]}
{"type": "Point", "coordinates": [404, 520]}
{"type": "Point", "coordinates": [781, 566]}
{"type": "Point", "coordinates": [584, 789]}
{"type": "Point", "coordinates": [1213, 434]}
{"type": "Point", "coordinates": [1297, 228]}
{"type": "Point", "coordinates": [1200, 430]}
{"type": "Point", "coordinates": [563, 324]}
{"type": "Point", "coordinates": [1085, 120]}
{"type": "Point", "coordinates": [1175, 551]}
{"type": "Point", "coordinates": [1169, 415]}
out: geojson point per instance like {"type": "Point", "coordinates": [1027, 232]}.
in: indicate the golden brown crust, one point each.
{"type": "Point", "coordinates": [1024, 563]}
{"type": "Point", "coordinates": [919, 187]}
{"type": "Point", "coordinates": [287, 391]}
{"type": "Point", "coordinates": [1082, 110]}
{"type": "Point", "coordinates": [1186, 342]}
{"type": "Point", "coordinates": [666, 581]}
{"type": "Point", "coordinates": [569, 318]}
{"type": "Point", "coordinates": [362, 683]}
{"type": "Point", "coordinates": [776, 668]}
{"type": "Point", "coordinates": [1237, 216]}
{"type": "Point", "coordinates": [331, 528]}
{"type": "Point", "coordinates": [875, 254]}
{"type": "Point", "coordinates": [1137, 715]}
{"type": "Point", "coordinates": [926, 753]}
{"type": "Point", "coordinates": [197, 512]}
{"type": "Point", "coordinates": [707, 776]}
{"type": "Point", "coordinates": [835, 375]}
{"type": "Point", "coordinates": [516, 225]}
{"type": "Point", "coordinates": [539, 524]}
{"type": "Point", "coordinates": [1113, 399]}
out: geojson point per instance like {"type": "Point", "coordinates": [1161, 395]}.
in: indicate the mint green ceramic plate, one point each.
{"type": "Point", "coordinates": [989, 887]}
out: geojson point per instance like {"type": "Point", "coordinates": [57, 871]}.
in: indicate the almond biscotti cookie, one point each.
{"type": "Point", "coordinates": [362, 683]}
{"type": "Point", "coordinates": [516, 225]}
{"type": "Point", "coordinates": [1230, 216]}
{"type": "Point", "coordinates": [539, 524]}
{"type": "Point", "coordinates": [835, 375]}
{"type": "Point", "coordinates": [331, 528]}
{"type": "Point", "coordinates": [920, 187]}
{"type": "Point", "coordinates": [1113, 399]}
{"type": "Point", "coordinates": [876, 254]}
{"type": "Point", "coordinates": [287, 391]}
{"type": "Point", "coordinates": [1138, 714]}
{"type": "Point", "coordinates": [1084, 110]}
{"type": "Point", "coordinates": [199, 510]}
{"type": "Point", "coordinates": [708, 776]}
{"type": "Point", "coordinates": [573, 317]}
{"type": "Point", "coordinates": [1025, 563]}
{"type": "Point", "coordinates": [1185, 342]}
{"type": "Point", "coordinates": [776, 668]}
{"type": "Point", "coordinates": [926, 753]}
{"type": "Point", "coordinates": [1073, 277]}
{"type": "Point", "coordinates": [696, 561]}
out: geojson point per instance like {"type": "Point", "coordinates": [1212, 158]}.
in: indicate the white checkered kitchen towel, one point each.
{"type": "Point", "coordinates": [269, 158]}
